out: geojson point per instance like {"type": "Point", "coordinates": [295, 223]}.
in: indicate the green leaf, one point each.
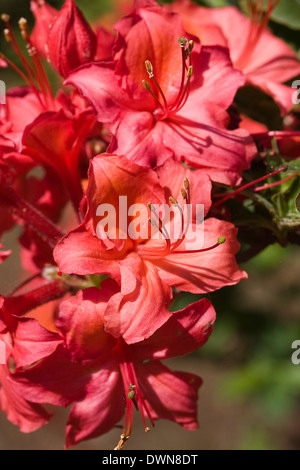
{"type": "Point", "coordinates": [259, 106]}
{"type": "Point", "coordinates": [215, 3]}
{"type": "Point", "coordinates": [297, 202]}
{"type": "Point", "coordinates": [281, 204]}
{"type": "Point", "coordinates": [287, 13]}
{"type": "Point", "coordinates": [294, 165]}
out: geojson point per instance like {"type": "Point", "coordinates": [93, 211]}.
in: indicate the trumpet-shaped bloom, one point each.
{"type": "Point", "coordinates": [102, 376]}
{"type": "Point", "coordinates": [266, 60]}
{"type": "Point", "coordinates": [162, 87]}
{"type": "Point", "coordinates": [146, 267]}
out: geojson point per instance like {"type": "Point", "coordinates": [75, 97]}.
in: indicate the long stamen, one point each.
{"type": "Point", "coordinates": [35, 76]}
{"type": "Point", "coordinates": [267, 186]}
{"type": "Point", "coordinates": [141, 402]}
{"type": "Point", "coordinates": [185, 93]}
{"type": "Point", "coordinates": [185, 192]}
{"type": "Point", "coordinates": [40, 74]}
{"type": "Point", "coordinates": [162, 227]}
{"type": "Point", "coordinates": [147, 87]}
{"type": "Point", "coordinates": [259, 21]}
{"type": "Point", "coordinates": [220, 241]}
{"type": "Point", "coordinates": [149, 69]}
{"type": "Point", "coordinates": [10, 38]}
{"type": "Point", "coordinates": [248, 185]}
{"type": "Point", "coordinates": [167, 240]}
{"type": "Point", "coordinates": [183, 89]}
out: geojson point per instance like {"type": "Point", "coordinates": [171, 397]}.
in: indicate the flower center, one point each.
{"type": "Point", "coordinates": [34, 74]}
{"type": "Point", "coordinates": [148, 251]}
{"type": "Point", "coordinates": [164, 109]}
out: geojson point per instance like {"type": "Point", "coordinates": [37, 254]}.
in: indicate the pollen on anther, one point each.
{"type": "Point", "coordinates": [146, 85]}
{"type": "Point", "coordinates": [182, 41]}
{"type": "Point", "coordinates": [5, 17]}
{"type": "Point", "coordinates": [7, 35]}
{"type": "Point", "coordinates": [22, 24]}
{"type": "Point", "coordinates": [186, 183]}
{"type": "Point", "coordinates": [173, 200]}
{"type": "Point", "coordinates": [149, 68]}
{"type": "Point", "coordinates": [190, 71]}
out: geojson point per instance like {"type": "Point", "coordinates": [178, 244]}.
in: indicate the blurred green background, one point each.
{"type": "Point", "coordinates": [250, 395]}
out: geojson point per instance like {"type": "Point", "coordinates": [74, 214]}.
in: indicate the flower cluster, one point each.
{"type": "Point", "coordinates": [115, 182]}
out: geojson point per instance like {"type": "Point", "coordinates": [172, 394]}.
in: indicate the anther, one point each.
{"type": "Point", "coordinates": [189, 49]}
{"type": "Point", "coordinates": [190, 71]}
{"type": "Point", "coordinates": [5, 17]}
{"type": "Point", "coordinates": [183, 193]}
{"type": "Point", "coordinates": [182, 41]}
{"type": "Point", "coordinates": [7, 35]}
{"type": "Point", "coordinates": [149, 68]}
{"type": "Point", "coordinates": [146, 85]}
{"type": "Point", "coordinates": [22, 24]}
{"type": "Point", "coordinates": [131, 394]}
{"type": "Point", "coordinates": [173, 200]}
{"type": "Point", "coordinates": [147, 429]}
{"type": "Point", "coordinates": [122, 442]}
{"type": "Point", "coordinates": [186, 183]}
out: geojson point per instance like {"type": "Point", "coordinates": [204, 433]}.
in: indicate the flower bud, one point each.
{"type": "Point", "coordinates": [44, 16]}
{"type": "Point", "coordinates": [71, 41]}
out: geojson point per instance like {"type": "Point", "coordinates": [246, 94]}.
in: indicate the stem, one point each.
{"type": "Point", "coordinates": [22, 304]}
{"type": "Point", "coordinates": [43, 226]}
